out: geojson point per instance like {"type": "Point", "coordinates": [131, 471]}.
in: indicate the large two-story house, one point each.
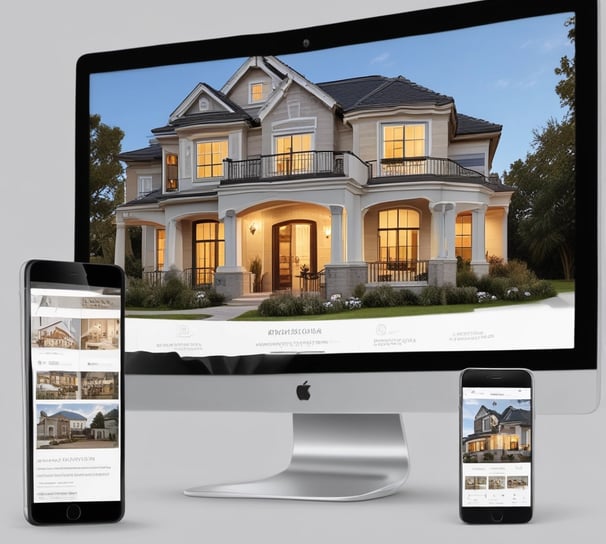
{"type": "Point", "coordinates": [358, 181]}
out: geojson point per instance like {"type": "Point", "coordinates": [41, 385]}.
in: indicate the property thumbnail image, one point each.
{"type": "Point", "coordinates": [100, 334]}
{"type": "Point", "coordinates": [56, 384]}
{"type": "Point", "coordinates": [475, 482]}
{"type": "Point", "coordinates": [77, 426]}
{"type": "Point", "coordinates": [52, 332]}
{"type": "Point", "coordinates": [499, 434]}
{"type": "Point", "coordinates": [99, 385]}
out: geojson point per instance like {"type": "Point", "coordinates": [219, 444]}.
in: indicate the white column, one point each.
{"type": "Point", "coordinates": [478, 235]}
{"type": "Point", "coordinates": [171, 244]}
{"type": "Point", "coordinates": [119, 250]}
{"type": "Point", "coordinates": [443, 220]}
{"type": "Point", "coordinates": [336, 234]}
{"type": "Point", "coordinates": [354, 221]}
{"type": "Point", "coordinates": [231, 241]}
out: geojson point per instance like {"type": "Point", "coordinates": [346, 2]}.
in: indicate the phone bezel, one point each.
{"type": "Point", "coordinates": [66, 274]}
{"type": "Point", "coordinates": [495, 377]}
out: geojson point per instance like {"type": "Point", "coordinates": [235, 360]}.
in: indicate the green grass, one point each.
{"type": "Point", "coordinates": [365, 313]}
{"type": "Point", "coordinates": [561, 286]}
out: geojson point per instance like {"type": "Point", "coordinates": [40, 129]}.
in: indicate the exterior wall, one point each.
{"type": "Point", "coordinates": [313, 116]}
{"type": "Point", "coordinates": [141, 169]}
{"type": "Point", "coordinates": [240, 93]}
{"type": "Point", "coordinates": [367, 134]}
{"type": "Point", "coordinates": [463, 151]}
{"type": "Point", "coordinates": [495, 221]}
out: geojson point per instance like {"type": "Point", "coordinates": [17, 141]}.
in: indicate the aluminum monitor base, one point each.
{"type": "Point", "coordinates": [335, 457]}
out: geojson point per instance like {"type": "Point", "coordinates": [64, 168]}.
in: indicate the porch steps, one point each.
{"type": "Point", "coordinates": [251, 299]}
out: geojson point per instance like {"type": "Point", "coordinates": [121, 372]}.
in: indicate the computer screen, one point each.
{"type": "Point", "coordinates": [341, 218]}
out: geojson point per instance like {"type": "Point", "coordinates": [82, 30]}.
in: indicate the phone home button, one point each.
{"type": "Point", "coordinates": [73, 512]}
{"type": "Point", "coordinates": [497, 516]}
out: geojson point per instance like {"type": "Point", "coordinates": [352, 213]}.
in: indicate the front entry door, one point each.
{"type": "Point", "coordinates": [294, 247]}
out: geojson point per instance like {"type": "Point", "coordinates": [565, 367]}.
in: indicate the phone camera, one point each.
{"type": "Point", "coordinates": [306, 43]}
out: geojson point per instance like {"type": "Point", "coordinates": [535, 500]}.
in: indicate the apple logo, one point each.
{"type": "Point", "coordinates": [303, 391]}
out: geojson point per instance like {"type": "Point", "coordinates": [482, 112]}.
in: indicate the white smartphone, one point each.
{"type": "Point", "coordinates": [73, 329]}
{"type": "Point", "coordinates": [496, 445]}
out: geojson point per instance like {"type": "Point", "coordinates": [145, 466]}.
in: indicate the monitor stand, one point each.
{"type": "Point", "coordinates": [335, 457]}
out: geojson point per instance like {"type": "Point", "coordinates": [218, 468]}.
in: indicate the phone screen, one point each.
{"type": "Point", "coordinates": [496, 447]}
{"type": "Point", "coordinates": [75, 357]}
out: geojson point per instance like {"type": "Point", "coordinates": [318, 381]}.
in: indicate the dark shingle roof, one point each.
{"type": "Point", "coordinates": [149, 153]}
{"type": "Point", "coordinates": [473, 125]}
{"type": "Point", "coordinates": [379, 92]}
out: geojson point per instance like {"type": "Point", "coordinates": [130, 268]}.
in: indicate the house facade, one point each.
{"type": "Point", "coordinates": [500, 434]}
{"type": "Point", "coordinates": [356, 181]}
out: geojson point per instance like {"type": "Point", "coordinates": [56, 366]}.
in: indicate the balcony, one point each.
{"type": "Point", "coordinates": [321, 164]}
{"type": "Point", "coordinates": [295, 165]}
{"type": "Point", "coordinates": [423, 168]}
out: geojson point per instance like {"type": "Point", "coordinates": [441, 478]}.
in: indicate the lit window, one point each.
{"type": "Point", "coordinates": [398, 235]}
{"type": "Point", "coordinates": [210, 156]}
{"type": "Point", "coordinates": [160, 244]}
{"type": "Point", "coordinates": [402, 143]}
{"type": "Point", "coordinates": [209, 250]}
{"type": "Point", "coordinates": [292, 155]}
{"type": "Point", "coordinates": [463, 237]}
{"type": "Point", "coordinates": [257, 92]}
{"type": "Point", "coordinates": [172, 172]}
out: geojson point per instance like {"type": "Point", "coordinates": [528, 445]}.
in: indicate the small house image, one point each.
{"type": "Point", "coordinates": [328, 184]}
{"type": "Point", "coordinates": [499, 436]}
{"type": "Point", "coordinates": [55, 335]}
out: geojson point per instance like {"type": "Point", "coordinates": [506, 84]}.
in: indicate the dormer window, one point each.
{"type": "Point", "coordinates": [257, 92]}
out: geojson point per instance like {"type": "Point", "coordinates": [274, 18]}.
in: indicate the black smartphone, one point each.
{"type": "Point", "coordinates": [73, 330]}
{"type": "Point", "coordinates": [496, 436]}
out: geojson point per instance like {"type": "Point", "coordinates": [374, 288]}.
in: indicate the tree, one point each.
{"type": "Point", "coordinates": [106, 187]}
{"type": "Point", "coordinates": [98, 421]}
{"type": "Point", "coordinates": [542, 211]}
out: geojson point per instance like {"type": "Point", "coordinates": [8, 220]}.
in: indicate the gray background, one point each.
{"type": "Point", "coordinates": [166, 452]}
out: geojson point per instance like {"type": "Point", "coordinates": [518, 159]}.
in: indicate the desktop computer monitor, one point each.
{"type": "Point", "coordinates": [334, 221]}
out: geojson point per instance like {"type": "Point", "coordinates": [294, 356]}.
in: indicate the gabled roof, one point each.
{"type": "Point", "coordinates": [230, 112]}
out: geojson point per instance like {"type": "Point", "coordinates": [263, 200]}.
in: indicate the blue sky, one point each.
{"type": "Point", "coordinates": [503, 73]}
{"type": "Point", "coordinates": [471, 407]}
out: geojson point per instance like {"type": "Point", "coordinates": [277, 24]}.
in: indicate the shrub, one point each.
{"type": "Point", "coordinates": [380, 297]}
{"type": "Point", "coordinates": [138, 292]}
{"type": "Point", "coordinates": [281, 305]}
{"type": "Point", "coordinates": [359, 290]}
{"type": "Point", "coordinates": [466, 278]}
{"type": "Point", "coordinates": [406, 297]}
{"type": "Point", "coordinates": [432, 295]}
{"type": "Point", "coordinates": [461, 295]}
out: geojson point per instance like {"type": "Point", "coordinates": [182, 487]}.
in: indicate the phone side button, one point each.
{"type": "Point", "coordinates": [73, 512]}
{"type": "Point", "coordinates": [497, 516]}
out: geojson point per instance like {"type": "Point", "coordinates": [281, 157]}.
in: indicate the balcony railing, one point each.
{"type": "Point", "coordinates": [284, 166]}
{"type": "Point", "coordinates": [192, 277]}
{"type": "Point", "coordinates": [422, 166]}
{"type": "Point", "coordinates": [397, 271]}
